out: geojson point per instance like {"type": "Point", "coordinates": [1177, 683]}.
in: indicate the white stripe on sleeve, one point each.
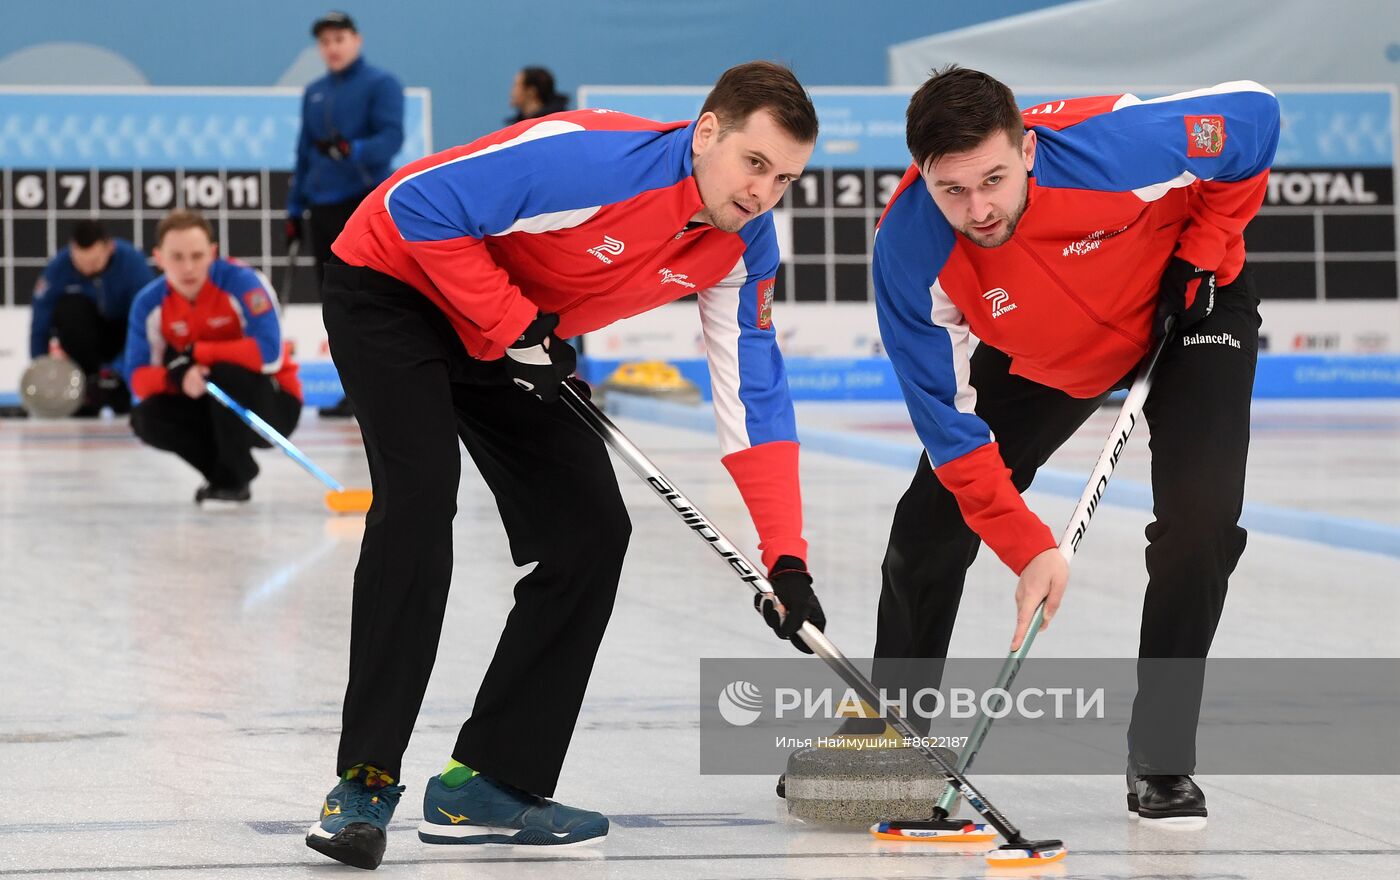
{"type": "Point", "coordinates": [719, 320]}
{"type": "Point", "coordinates": [945, 314]}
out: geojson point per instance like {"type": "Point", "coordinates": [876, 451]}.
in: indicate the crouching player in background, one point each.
{"type": "Point", "coordinates": [82, 301]}
{"type": "Point", "coordinates": [207, 319]}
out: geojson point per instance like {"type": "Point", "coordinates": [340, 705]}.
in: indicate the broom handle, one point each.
{"type": "Point", "coordinates": [271, 435]}
{"type": "Point", "coordinates": [1069, 543]}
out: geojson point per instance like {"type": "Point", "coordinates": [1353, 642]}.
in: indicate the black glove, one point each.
{"type": "Point", "coordinates": [538, 361]}
{"type": "Point", "coordinates": [292, 230]}
{"type": "Point", "coordinates": [583, 388]}
{"type": "Point", "coordinates": [337, 148]}
{"type": "Point", "coordinates": [177, 364]}
{"type": "Point", "coordinates": [1186, 293]}
{"type": "Point", "coordinates": [792, 586]}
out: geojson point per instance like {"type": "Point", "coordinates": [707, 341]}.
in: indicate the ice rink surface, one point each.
{"type": "Point", "coordinates": [170, 677]}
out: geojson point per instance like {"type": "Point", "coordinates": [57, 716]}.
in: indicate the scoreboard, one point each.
{"type": "Point", "coordinates": [245, 206]}
{"type": "Point", "coordinates": [127, 156]}
{"type": "Point", "coordinates": [1323, 248]}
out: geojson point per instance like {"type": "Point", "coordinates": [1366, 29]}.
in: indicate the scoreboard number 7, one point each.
{"type": "Point", "coordinates": [73, 186]}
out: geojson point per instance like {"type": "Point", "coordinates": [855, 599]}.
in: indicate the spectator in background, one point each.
{"type": "Point", "coordinates": [82, 299]}
{"type": "Point", "coordinates": [351, 127]}
{"type": "Point", "coordinates": [533, 95]}
{"type": "Point", "coordinates": [207, 319]}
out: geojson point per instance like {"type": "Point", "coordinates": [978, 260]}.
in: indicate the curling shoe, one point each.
{"type": "Point", "coordinates": [1167, 800]}
{"type": "Point", "coordinates": [355, 818]}
{"type": "Point", "coordinates": [484, 811]}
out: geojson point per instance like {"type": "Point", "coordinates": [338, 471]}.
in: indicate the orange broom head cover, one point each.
{"type": "Point", "coordinates": [349, 500]}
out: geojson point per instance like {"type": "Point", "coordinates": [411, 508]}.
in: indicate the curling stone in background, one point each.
{"type": "Point", "coordinates": [656, 379]}
{"type": "Point", "coordinates": [52, 388]}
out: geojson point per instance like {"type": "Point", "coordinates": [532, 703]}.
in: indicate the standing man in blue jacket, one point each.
{"type": "Point", "coordinates": [82, 300]}
{"type": "Point", "coordinates": [351, 127]}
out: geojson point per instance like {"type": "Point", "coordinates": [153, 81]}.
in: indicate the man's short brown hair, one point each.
{"type": "Point", "coordinates": [956, 110]}
{"type": "Point", "coordinates": [182, 219]}
{"type": "Point", "coordinates": [762, 85]}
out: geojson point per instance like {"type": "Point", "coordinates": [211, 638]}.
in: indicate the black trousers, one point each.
{"type": "Point", "coordinates": [207, 434]}
{"type": "Point", "coordinates": [1198, 415]}
{"type": "Point", "coordinates": [327, 221]}
{"type": "Point", "coordinates": [416, 393]}
{"type": "Point", "coordinates": [89, 339]}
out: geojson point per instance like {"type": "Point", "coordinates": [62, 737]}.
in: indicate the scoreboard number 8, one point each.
{"type": "Point", "coordinates": [116, 192]}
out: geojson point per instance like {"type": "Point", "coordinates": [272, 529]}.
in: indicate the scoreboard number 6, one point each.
{"type": "Point", "coordinates": [29, 191]}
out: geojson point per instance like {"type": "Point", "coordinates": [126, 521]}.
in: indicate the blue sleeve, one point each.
{"type": "Point", "coordinates": [385, 123]}
{"type": "Point", "coordinates": [259, 310]}
{"type": "Point", "coordinates": [1227, 133]}
{"type": "Point", "coordinates": [752, 401]}
{"type": "Point", "coordinates": [555, 166]}
{"type": "Point", "coordinates": [296, 197]}
{"type": "Point", "coordinates": [138, 341]}
{"type": "Point", "coordinates": [924, 333]}
{"type": "Point", "coordinates": [47, 290]}
{"type": "Point", "coordinates": [266, 331]}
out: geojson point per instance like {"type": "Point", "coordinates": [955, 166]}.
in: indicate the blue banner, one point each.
{"type": "Point", "coordinates": [864, 128]}
{"type": "Point", "coordinates": [168, 128]}
{"type": "Point", "coordinates": [1279, 376]}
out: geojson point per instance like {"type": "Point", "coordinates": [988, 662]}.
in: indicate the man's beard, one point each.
{"type": "Point", "coordinates": [726, 222]}
{"type": "Point", "coordinates": [1011, 223]}
{"type": "Point", "coordinates": [725, 219]}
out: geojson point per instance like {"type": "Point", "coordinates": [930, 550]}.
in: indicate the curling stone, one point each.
{"type": "Point", "coordinates": [654, 379]}
{"type": "Point", "coordinates": [52, 388]}
{"type": "Point", "coordinates": [856, 780]}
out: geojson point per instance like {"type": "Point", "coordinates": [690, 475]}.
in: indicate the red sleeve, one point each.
{"type": "Point", "coordinates": [148, 381]}
{"type": "Point", "coordinates": [992, 507]}
{"type": "Point", "coordinates": [1219, 211]}
{"type": "Point", "coordinates": [462, 269]}
{"type": "Point", "coordinates": [239, 352]}
{"type": "Point", "coordinates": [766, 475]}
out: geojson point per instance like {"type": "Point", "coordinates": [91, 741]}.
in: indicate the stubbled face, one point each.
{"type": "Point", "coordinates": [91, 261]}
{"type": "Point", "coordinates": [185, 255]}
{"type": "Point", "coordinates": [743, 172]}
{"type": "Point", "coordinates": [339, 47]}
{"type": "Point", "coordinates": [983, 192]}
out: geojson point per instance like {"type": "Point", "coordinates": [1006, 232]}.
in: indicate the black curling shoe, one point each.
{"type": "Point", "coordinates": [230, 494]}
{"type": "Point", "coordinates": [1172, 800]}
